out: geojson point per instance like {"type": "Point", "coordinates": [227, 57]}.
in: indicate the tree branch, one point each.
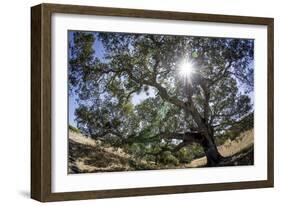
{"type": "Point", "coordinates": [222, 73]}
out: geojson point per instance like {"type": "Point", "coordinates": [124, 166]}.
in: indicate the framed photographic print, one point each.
{"type": "Point", "coordinates": [132, 102]}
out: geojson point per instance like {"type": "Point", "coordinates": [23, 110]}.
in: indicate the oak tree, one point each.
{"type": "Point", "coordinates": [196, 87]}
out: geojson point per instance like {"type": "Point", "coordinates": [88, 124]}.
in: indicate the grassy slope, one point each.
{"type": "Point", "coordinates": [87, 155]}
{"type": "Point", "coordinates": [236, 151]}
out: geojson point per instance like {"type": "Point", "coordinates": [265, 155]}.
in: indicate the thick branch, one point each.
{"type": "Point", "coordinates": [162, 91]}
{"type": "Point", "coordinates": [222, 73]}
{"type": "Point", "coordinates": [187, 136]}
{"type": "Point", "coordinates": [206, 106]}
{"type": "Point", "coordinates": [189, 106]}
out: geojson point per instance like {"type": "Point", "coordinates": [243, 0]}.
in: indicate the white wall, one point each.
{"type": "Point", "coordinates": [15, 101]}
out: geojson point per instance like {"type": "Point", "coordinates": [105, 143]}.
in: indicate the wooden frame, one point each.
{"type": "Point", "coordinates": [41, 102]}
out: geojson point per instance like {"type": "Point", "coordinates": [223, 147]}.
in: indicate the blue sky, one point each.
{"type": "Point", "coordinates": [72, 104]}
{"type": "Point", "coordinates": [99, 53]}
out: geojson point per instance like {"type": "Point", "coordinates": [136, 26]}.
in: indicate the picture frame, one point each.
{"type": "Point", "coordinates": [42, 87]}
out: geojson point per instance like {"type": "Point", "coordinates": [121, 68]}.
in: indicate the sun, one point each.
{"type": "Point", "coordinates": [186, 69]}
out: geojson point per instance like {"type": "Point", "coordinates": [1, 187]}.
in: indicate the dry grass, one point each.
{"type": "Point", "coordinates": [229, 148]}
{"type": "Point", "coordinates": [79, 138]}
{"type": "Point", "coordinates": [87, 155]}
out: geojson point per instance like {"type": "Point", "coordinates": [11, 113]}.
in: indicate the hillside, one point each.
{"type": "Point", "coordinates": [87, 155]}
{"type": "Point", "coordinates": [237, 152]}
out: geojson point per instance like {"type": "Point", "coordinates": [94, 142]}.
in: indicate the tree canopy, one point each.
{"type": "Point", "coordinates": [179, 109]}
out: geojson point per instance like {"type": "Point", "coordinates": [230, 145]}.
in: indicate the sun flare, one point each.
{"type": "Point", "coordinates": [186, 69]}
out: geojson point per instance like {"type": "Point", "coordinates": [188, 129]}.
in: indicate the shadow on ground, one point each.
{"type": "Point", "coordinates": [245, 157]}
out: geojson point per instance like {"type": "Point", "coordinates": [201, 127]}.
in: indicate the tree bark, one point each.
{"type": "Point", "coordinates": [211, 151]}
{"type": "Point", "coordinates": [208, 143]}
{"type": "Point", "coordinates": [209, 146]}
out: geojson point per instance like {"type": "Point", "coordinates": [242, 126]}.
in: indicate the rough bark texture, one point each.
{"type": "Point", "coordinates": [211, 151]}
{"type": "Point", "coordinates": [208, 144]}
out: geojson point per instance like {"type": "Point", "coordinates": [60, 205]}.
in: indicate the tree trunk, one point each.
{"type": "Point", "coordinates": [212, 154]}
{"type": "Point", "coordinates": [209, 146]}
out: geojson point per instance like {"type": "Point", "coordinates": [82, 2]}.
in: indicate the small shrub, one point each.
{"type": "Point", "coordinates": [169, 159]}
{"type": "Point", "coordinates": [73, 129]}
{"type": "Point", "coordinates": [184, 156]}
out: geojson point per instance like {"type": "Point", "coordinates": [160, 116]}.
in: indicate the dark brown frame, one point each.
{"type": "Point", "coordinates": [41, 101]}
